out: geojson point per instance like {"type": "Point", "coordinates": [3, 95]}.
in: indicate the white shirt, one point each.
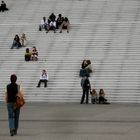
{"type": "Point", "coordinates": [43, 22]}
{"type": "Point", "coordinates": [44, 77]}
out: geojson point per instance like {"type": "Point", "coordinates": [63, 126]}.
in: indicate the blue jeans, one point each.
{"type": "Point", "coordinates": [13, 116]}
{"type": "Point", "coordinates": [16, 44]}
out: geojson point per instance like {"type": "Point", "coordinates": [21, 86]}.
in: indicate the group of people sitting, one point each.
{"type": "Point", "coordinates": [52, 23]}
{"type": "Point", "coordinates": [86, 68]}
{"type": "Point", "coordinates": [31, 55]}
{"type": "Point", "coordinates": [19, 42]}
{"type": "Point", "coordinates": [98, 98]}
{"type": "Point", "coordinates": [3, 7]}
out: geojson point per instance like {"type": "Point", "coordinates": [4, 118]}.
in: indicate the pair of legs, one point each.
{"type": "Point", "coordinates": [51, 28]}
{"type": "Point", "coordinates": [16, 44]}
{"type": "Point", "coordinates": [85, 93]}
{"type": "Point", "coordinates": [58, 24]}
{"type": "Point", "coordinates": [27, 57]}
{"type": "Point", "coordinates": [102, 100]}
{"type": "Point", "coordinates": [42, 81]}
{"type": "Point", "coordinates": [23, 42]}
{"type": "Point", "coordinates": [64, 26]}
{"type": "Point", "coordinates": [13, 118]}
{"type": "Point", "coordinates": [93, 99]}
{"type": "Point", "coordinates": [34, 57]}
{"type": "Point", "coordinates": [3, 9]}
{"type": "Point", "coordinates": [43, 26]}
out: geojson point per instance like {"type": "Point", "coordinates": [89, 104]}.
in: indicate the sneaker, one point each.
{"type": "Point", "coordinates": [15, 132]}
{"type": "Point", "coordinates": [12, 132]}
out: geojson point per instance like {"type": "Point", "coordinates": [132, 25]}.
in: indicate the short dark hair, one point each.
{"type": "Point", "coordinates": [13, 78]}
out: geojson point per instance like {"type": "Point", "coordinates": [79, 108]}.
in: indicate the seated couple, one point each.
{"type": "Point", "coordinates": [19, 42]}
{"type": "Point", "coordinates": [31, 55]}
{"type": "Point", "coordinates": [98, 99]}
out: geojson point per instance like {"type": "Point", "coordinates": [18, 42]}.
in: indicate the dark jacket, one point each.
{"type": "Point", "coordinates": [12, 90]}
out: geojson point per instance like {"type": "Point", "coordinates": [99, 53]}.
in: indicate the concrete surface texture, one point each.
{"type": "Point", "coordinates": [72, 121]}
{"type": "Point", "coordinates": [105, 31]}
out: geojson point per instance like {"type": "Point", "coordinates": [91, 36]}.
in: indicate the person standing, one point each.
{"type": "Point", "coordinates": [85, 84]}
{"type": "Point", "coordinates": [13, 113]}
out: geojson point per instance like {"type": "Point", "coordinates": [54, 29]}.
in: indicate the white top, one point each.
{"type": "Point", "coordinates": [53, 23]}
{"type": "Point", "coordinates": [44, 77]}
{"type": "Point", "coordinates": [42, 22]}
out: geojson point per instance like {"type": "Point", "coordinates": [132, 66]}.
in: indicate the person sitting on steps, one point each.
{"type": "Point", "coordinates": [27, 55]}
{"type": "Point", "coordinates": [102, 99]}
{"type": "Point", "coordinates": [34, 54]}
{"type": "Point", "coordinates": [51, 26]}
{"type": "Point", "coordinates": [43, 78]}
{"type": "Point", "coordinates": [94, 98]}
{"type": "Point", "coordinates": [59, 21]}
{"type": "Point", "coordinates": [23, 40]}
{"type": "Point", "coordinates": [3, 6]}
{"type": "Point", "coordinates": [16, 42]}
{"type": "Point", "coordinates": [65, 25]}
{"type": "Point", "coordinates": [43, 24]}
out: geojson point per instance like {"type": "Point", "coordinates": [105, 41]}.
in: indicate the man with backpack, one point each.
{"type": "Point", "coordinates": [85, 84]}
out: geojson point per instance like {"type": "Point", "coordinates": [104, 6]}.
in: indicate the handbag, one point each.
{"type": "Point", "coordinates": [19, 101]}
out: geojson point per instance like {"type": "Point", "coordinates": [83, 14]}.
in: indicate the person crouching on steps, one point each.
{"type": "Point", "coordinates": [43, 78]}
{"type": "Point", "coordinates": [93, 94]}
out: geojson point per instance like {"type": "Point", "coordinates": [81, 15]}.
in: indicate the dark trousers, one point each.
{"type": "Point", "coordinates": [3, 9]}
{"type": "Point", "coordinates": [27, 57]}
{"type": "Point", "coordinates": [85, 93]}
{"type": "Point", "coordinates": [44, 81]}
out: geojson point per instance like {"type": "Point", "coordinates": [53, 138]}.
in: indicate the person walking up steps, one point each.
{"type": "Point", "coordinates": [13, 113]}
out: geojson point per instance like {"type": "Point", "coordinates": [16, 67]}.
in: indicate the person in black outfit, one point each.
{"type": "Point", "coordinates": [3, 6]}
{"type": "Point", "coordinates": [85, 83]}
{"type": "Point", "coordinates": [59, 21]}
{"type": "Point", "coordinates": [102, 99]}
{"type": "Point", "coordinates": [13, 113]}
{"type": "Point", "coordinates": [52, 17]}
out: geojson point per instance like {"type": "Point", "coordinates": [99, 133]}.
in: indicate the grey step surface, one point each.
{"type": "Point", "coordinates": [106, 32]}
{"type": "Point", "coordinates": [72, 121]}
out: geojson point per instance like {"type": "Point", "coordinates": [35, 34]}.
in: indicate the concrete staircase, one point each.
{"type": "Point", "coordinates": [104, 31]}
